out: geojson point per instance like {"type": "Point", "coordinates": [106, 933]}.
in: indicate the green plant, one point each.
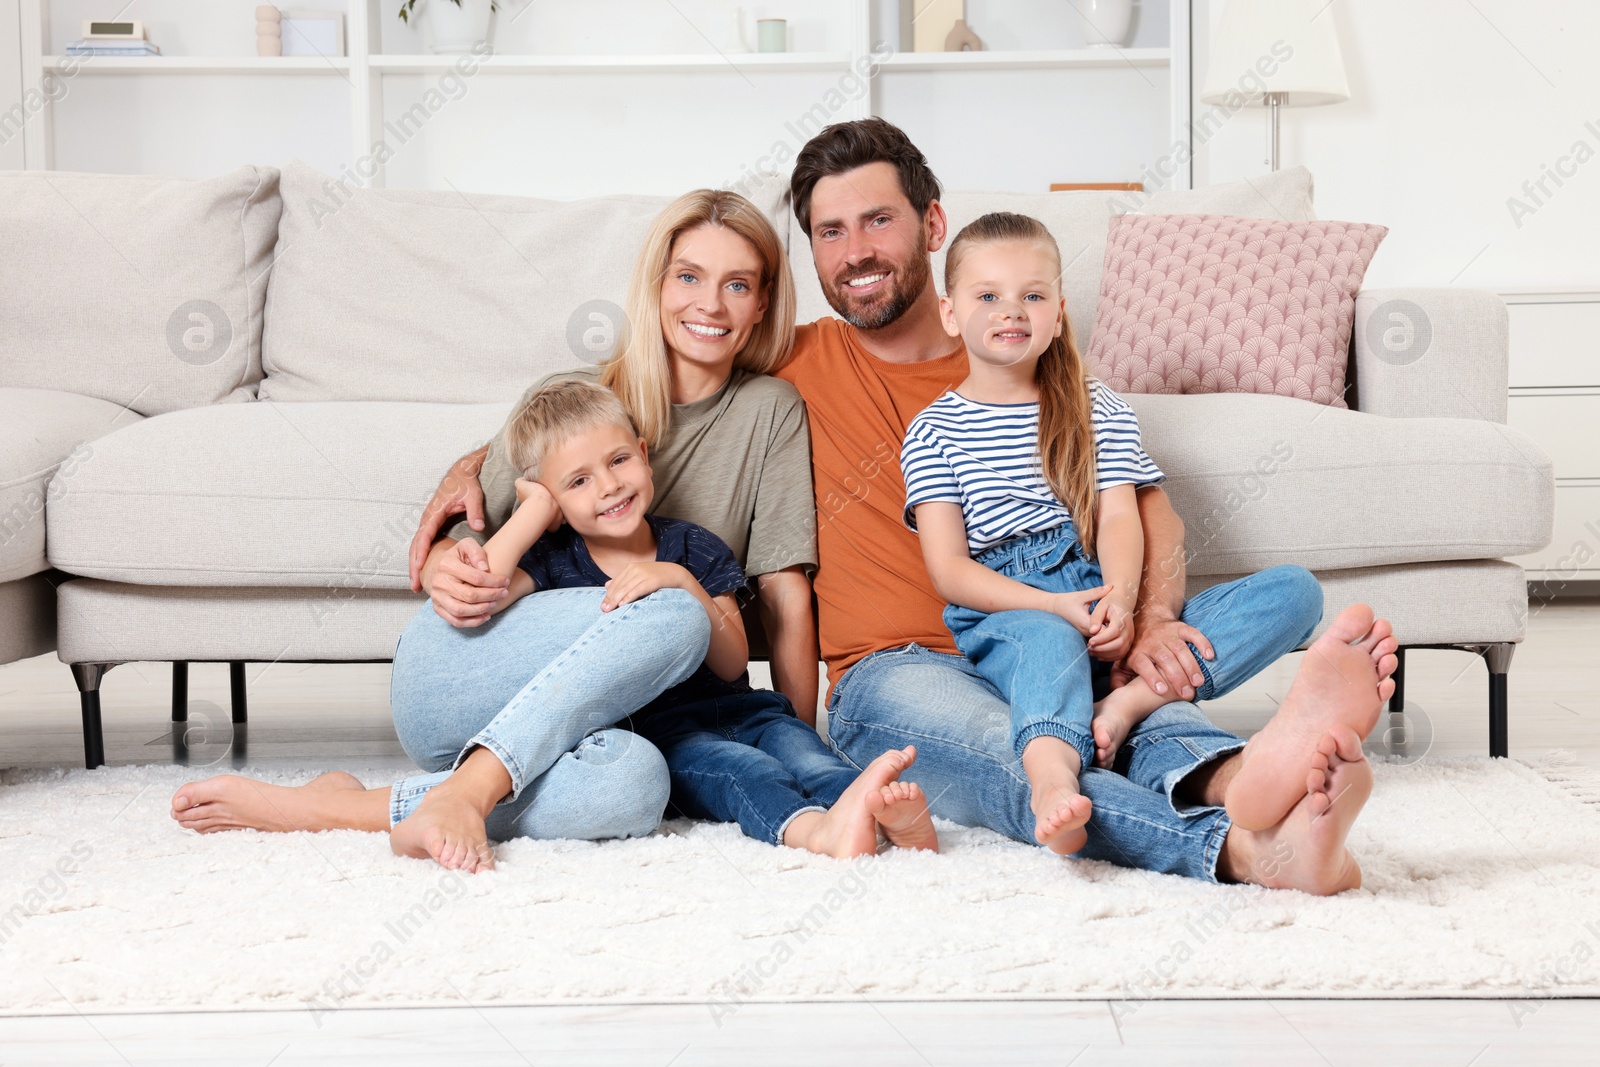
{"type": "Point", "coordinates": [408, 9]}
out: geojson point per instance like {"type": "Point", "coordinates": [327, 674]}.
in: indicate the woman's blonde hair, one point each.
{"type": "Point", "coordinates": [639, 372]}
{"type": "Point", "coordinates": [1066, 427]}
{"type": "Point", "coordinates": [553, 415]}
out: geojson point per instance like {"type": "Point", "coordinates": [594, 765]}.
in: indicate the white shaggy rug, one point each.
{"type": "Point", "coordinates": [1482, 880]}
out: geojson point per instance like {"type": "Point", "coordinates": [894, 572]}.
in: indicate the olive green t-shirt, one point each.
{"type": "Point", "coordinates": [737, 462]}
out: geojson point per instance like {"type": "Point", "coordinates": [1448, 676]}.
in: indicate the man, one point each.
{"type": "Point", "coordinates": [868, 204]}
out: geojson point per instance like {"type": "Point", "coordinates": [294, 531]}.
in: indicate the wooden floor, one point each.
{"type": "Point", "coordinates": [328, 716]}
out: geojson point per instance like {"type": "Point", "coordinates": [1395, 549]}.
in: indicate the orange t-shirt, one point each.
{"type": "Point", "coordinates": [873, 590]}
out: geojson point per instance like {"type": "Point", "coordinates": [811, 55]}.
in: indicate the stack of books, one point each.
{"type": "Point", "coordinates": [107, 47]}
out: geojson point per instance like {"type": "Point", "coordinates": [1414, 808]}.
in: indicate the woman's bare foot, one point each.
{"type": "Point", "coordinates": [1306, 851]}
{"type": "Point", "coordinates": [849, 829]}
{"type": "Point", "coordinates": [902, 812]}
{"type": "Point", "coordinates": [332, 801]}
{"type": "Point", "coordinates": [1060, 811]}
{"type": "Point", "coordinates": [1116, 716]}
{"type": "Point", "coordinates": [448, 826]}
{"type": "Point", "coordinates": [1342, 682]}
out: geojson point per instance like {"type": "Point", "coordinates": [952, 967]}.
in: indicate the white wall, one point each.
{"type": "Point", "coordinates": [1453, 107]}
{"type": "Point", "coordinates": [10, 84]}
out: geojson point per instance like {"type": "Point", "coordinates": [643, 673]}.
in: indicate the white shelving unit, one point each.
{"type": "Point", "coordinates": [366, 67]}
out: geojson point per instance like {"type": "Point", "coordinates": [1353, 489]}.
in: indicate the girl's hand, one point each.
{"type": "Point", "coordinates": [1114, 638]}
{"type": "Point", "coordinates": [1074, 607]}
{"type": "Point", "coordinates": [639, 580]}
{"type": "Point", "coordinates": [534, 493]}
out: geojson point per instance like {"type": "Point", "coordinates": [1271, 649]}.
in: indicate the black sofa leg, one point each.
{"type": "Point", "coordinates": [1397, 702]}
{"type": "Point", "coordinates": [180, 690]}
{"type": "Point", "coordinates": [236, 684]}
{"type": "Point", "coordinates": [87, 676]}
{"type": "Point", "coordinates": [1498, 658]}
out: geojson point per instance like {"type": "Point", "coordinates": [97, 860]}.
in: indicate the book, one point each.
{"type": "Point", "coordinates": [111, 48]}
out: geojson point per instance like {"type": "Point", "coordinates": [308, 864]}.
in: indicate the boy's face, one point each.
{"type": "Point", "coordinates": [601, 480]}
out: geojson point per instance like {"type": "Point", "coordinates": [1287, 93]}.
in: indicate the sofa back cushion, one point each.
{"type": "Point", "coordinates": [1079, 220]}
{"type": "Point", "coordinates": [140, 290]}
{"type": "Point", "coordinates": [442, 296]}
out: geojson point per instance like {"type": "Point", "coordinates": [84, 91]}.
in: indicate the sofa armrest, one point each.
{"type": "Point", "coordinates": [1431, 353]}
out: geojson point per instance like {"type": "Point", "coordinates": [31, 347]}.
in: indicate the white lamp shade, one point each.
{"type": "Point", "coordinates": [1276, 46]}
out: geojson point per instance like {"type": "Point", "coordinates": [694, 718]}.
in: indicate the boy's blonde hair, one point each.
{"type": "Point", "coordinates": [639, 370]}
{"type": "Point", "coordinates": [554, 414]}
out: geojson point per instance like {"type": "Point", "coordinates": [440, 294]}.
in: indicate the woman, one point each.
{"type": "Point", "coordinates": [730, 452]}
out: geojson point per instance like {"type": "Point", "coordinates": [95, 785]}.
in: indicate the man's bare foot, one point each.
{"type": "Point", "coordinates": [1116, 716]}
{"type": "Point", "coordinates": [902, 812]}
{"type": "Point", "coordinates": [448, 826]}
{"type": "Point", "coordinates": [849, 829]}
{"type": "Point", "coordinates": [1306, 851]}
{"type": "Point", "coordinates": [1342, 682]}
{"type": "Point", "coordinates": [1060, 811]}
{"type": "Point", "coordinates": [332, 801]}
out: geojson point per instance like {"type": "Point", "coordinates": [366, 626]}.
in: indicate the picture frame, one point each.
{"type": "Point", "coordinates": [313, 33]}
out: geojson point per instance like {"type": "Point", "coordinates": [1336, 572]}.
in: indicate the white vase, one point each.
{"type": "Point", "coordinates": [452, 29]}
{"type": "Point", "coordinates": [1109, 21]}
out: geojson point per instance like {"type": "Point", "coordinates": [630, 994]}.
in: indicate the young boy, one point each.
{"type": "Point", "coordinates": [735, 754]}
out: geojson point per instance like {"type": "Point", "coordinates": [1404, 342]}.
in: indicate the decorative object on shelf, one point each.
{"type": "Point", "coordinates": [772, 35]}
{"type": "Point", "coordinates": [313, 33]}
{"type": "Point", "coordinates": [269, 31]}
{"type": "Point", "coordinates": [931, 22]}
{"type": "Point", "coordinates": [1109, 21]}
{"type": "Point", "coordinates": [1275, 53]}
{"type": "Point", "coordinates": [110, 38]}
{"type": "Point", "coordinates": [962, 39]}
{"type": "Point", "coordinates": [1097, 187]}
{"type": "Point", "coordinates": [453, 27]}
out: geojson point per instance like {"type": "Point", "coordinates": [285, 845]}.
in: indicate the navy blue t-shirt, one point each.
{"type": "Point", "coordinates": [560, 560]}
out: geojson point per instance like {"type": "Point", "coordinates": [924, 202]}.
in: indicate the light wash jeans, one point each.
{"type": "Point", "coordinates": [1037, 661]}
{"type": "Point", "coordinates": [540, 685]}
{"type": "Point", "coordinates": [968, 766]}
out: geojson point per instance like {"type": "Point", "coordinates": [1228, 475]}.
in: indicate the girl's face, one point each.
{"type": "Point", "coordinates": [711, 297]}
{"type": "Point", "coordinates": [1006, 302]}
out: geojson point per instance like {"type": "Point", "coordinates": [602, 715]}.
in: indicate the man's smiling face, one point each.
{"type": "Point", "coordinates": [870, 245]}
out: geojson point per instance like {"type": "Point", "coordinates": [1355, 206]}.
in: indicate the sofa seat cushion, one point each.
{"type": "Point", "coordinates": [43, 433]}
{"type": "Point", "coordinates": [321, 495]}
{"type": "Point", "coordinates": [1264, 480]}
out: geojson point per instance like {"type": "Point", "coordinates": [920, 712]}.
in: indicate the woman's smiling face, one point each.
{"type": "Point", "coordinates": [712, 296]}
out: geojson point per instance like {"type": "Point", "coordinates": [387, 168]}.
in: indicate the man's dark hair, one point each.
{"type": "Point", "coordinates": [844, 146]}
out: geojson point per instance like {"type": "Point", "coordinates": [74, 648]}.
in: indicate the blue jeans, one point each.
{"type": "Point", "coordinates": [747, 759]}
{"type": "Point", "coordinates": [540, 685]}
{"type": "Point", "coordinates": [968, 767]}
{"type": "Point", "coordinates": [1037, 661]}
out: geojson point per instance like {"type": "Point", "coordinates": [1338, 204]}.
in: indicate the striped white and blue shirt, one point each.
{"type": "Point", "coordinates": [985, 457]}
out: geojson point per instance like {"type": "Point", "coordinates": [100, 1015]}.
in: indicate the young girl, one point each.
{"type": "Point", "coordinates": [1020, 482]}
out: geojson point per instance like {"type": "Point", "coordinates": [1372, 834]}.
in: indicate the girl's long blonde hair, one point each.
{"type": "Point", "coordinates": [640, 370]}
{"type": "Point", "coordinates": [1066, 427]}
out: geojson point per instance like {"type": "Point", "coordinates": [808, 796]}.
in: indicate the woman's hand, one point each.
{"type": "Point", "coordinates": [1074, 607]}
{"type": "Point", "coordinates": [639, 580]}
{"type": "Point", "coordinates": [464, 591]}
{"type": "Point", "coordinates": [459, 492]}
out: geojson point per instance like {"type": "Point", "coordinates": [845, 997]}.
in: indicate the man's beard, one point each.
{"type": "Point", "coordinates": [905, 286]}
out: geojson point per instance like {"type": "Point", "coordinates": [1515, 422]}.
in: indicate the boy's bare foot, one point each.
{"type": "Point", "coordinates": [1060, 811]}
{"type": "Point", "coordinates": [1306, 851]}
{"type": "Point", "coordinates": [1117, 715]}
{"type": "Point", "coordinates": [333, 801]}
{"type": "Point", "coordinates": [1342, 682]}
{"type": "Point", "coordinates": [848, 829]}
{"type": "Point", "coordinates": [902, 812]}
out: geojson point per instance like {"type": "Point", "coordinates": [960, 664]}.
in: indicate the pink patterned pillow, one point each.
{"type": "Point", "coordinates": [1224, 304]}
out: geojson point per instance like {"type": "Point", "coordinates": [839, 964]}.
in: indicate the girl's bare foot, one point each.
{"type": "Point", "coordinates": [1342, 683]}
{"type": "Point", "coordinates": [902, 811]}
{"type": "Point", "coordinates": [849, 829]}
{"type": "Point", "coordinates": [332, 801]}
{"type": "Point", "coordinates": [1306, 851]}
{"type": "Point", "coordinates": [1060, 811]}
{"type": "Point", "coordinates": [1117, 715]}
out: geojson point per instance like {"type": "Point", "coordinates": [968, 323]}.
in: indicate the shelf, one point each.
{"type": "Point", "coordinates": [1063, 59]}
{"type": "Point", "coordinates": [740, 62]}
{"type": "Point", "coordinates": [200, 64]}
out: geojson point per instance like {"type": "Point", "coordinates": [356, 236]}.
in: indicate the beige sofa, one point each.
{"type": "Point", "coordinates": [225, 402]}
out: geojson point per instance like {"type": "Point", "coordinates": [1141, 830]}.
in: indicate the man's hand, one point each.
{"type": "Point", "coordinates": [639, 580]}
{"type": "Point", "coordinates": [460, 491]}
{"type": "Point", "coordinates": [464, 591]}
{"type": "Point", "coordinates": [1161, 656]}
{"type": "Point", "coordinates": [1074, 607]}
